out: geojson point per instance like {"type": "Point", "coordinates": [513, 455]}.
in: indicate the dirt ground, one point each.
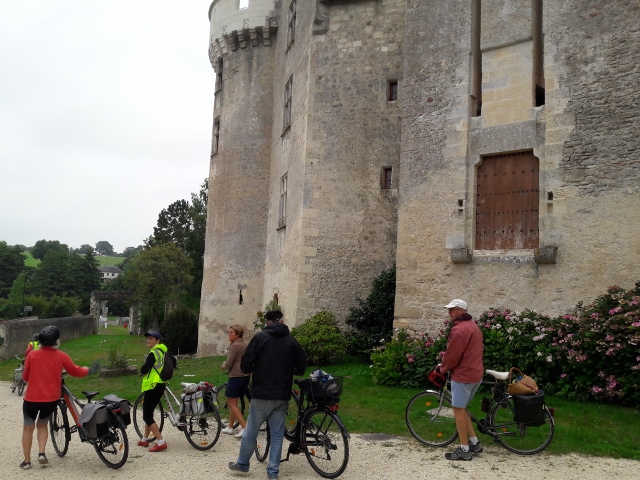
{"type": "Point", "coordinates": [369, 459]}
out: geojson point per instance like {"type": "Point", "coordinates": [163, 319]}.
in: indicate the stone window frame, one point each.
{"type": "Point", "coordinates": [392, 90]}
{"type": "Point", "coordinates": [216, 136]}
{"type": "Point", "coordinates": [282, 205]}
{"type": "Point", "coordinates": [386, 177]}
{"type": "Point", "coordinates": [291, 28]}
{"type": "Point", "coordinates": [288, 100]}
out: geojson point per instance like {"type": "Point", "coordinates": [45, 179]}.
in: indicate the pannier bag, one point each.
{"type": "Point", "coordinates": [95, 420]}
{"type": "Point", "coordinates": [125, 407]}
{"type": "Point", "coordinates": [520, 384]}
{"type": "Point", "coordinates": [529, 409]}
{"type": "Point", "coordinates": [192, 403]}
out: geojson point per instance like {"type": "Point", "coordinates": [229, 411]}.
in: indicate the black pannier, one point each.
{"type": "Point", "coordinates": [125, 407]}
{"type": "Point", "coordinates": [94, 419]}
{"type": "Point", "coordinates": [529, 409]}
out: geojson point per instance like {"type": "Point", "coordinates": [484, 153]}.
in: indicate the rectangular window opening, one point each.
{"type": "Point", "coordinates": [216, 136]}
{"type": "Point", "coordinates": [242, 4]}
{"type": "Point", "coordinates": [288, 93]}
{"type": "Point", "coordinates": [392, 91]}
{"type": "Point", "coordinates": [282, 207]}
{"type": "Point", "coordinates": [291, 32]}
{"type": "Point", "coordinates": [387, 177]}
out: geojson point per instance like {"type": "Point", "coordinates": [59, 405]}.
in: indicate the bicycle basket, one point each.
{"type": "Point", "coordinates": [323, 389]}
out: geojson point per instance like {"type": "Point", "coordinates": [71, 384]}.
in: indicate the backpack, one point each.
{"type": "Point", "coordinates": [169, 364]}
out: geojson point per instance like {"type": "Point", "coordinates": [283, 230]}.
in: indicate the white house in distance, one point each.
{"type": "Point", "coordinates": [109, 272]}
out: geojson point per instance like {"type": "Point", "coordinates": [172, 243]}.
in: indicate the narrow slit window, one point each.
{"type": "Point", "coordinates": [288, 93]}
{"type": "Point", "coordinates": [392, 91]}
{"type": "Point", "coordinates": [291, 32]}
{"type": "Point", "coordinates": [282, 210]}
{"type": "Point", "coordinates": [386, 178]}
{"type": "Point", "coordinates": [216, 137]}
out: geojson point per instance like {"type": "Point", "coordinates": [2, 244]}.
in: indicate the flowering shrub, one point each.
{"type": "Point", "coordinates": [593, 353]}
{"type": "Point", "coordinates": [600, 348]}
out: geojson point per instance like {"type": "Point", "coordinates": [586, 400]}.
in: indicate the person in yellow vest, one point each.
{"type": "Point", "coordinates": [35, 345]}
{"type": "Point", "coordinates": [153, 388]}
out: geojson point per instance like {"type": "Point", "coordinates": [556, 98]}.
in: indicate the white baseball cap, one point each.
{"type": "Point", "coordinates": [456, 302]}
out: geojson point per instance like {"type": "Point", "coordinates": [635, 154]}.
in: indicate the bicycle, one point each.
{"type": "Point", "coordinates": [202, 429]}
{"type": "Point", "coordinates": [317, 431]}
{"type": "Point", "coordinates": [109, 438]}
{"type": "Point", "coordinates": [18, 382]}
{"type": "Point", "coordinates": [429, 418]}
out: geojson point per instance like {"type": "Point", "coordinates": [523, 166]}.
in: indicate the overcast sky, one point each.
{"type": "Point", "coordinates": [105, 116]}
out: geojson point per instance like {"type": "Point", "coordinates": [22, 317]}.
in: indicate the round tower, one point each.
{"type": "Point", "coordinates": [241, 54]}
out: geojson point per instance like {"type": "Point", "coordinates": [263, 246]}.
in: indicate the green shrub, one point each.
{"type": "Point", "coordinates": [260, 322]}
{"type": "Point", "coordinates": [372, 320]}
{"type": "Point", "coordinates": [59, 307]}
{"type": "Point", "coordinates": [180, 331]}
{"type": "Point", "coordinates": [116, 358]}
{"type": "Point", "coordinates": [321, 339]}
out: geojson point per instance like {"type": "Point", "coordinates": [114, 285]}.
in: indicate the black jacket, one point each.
{"type": "Point", "coordinates": [273, 357]}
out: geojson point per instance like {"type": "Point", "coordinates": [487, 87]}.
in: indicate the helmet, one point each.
{"type": "Point", "coordinates": [49, 336]}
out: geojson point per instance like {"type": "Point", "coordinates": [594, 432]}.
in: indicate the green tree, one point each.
{"type": "Point", "coordinates": [84, 248]}
{"type": "Point", "coordinates": [131, 251]}
{"type": "Point", "coordinates": [42, 247]}
{"type": "Point", "coordinates": [104, 248]}
{"type": "Point", "coordinates": [372, 320]}
{"type": "Point", "coordinates": [11, 265]}
{"type": "Point", "coordinates": [157, 277]}
{"type": "Point", "coordinates": [184, 224]}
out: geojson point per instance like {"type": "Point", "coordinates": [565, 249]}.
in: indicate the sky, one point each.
{"type": "Point", "coordinates": [106, 112]}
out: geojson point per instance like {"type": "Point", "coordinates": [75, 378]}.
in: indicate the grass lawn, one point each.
{"type": "Point", "coordinates": [29, 261]}
{"type": "Point", "coordinates": [585, 428]}
{"type": "Point", "coordinates": [34, 262]}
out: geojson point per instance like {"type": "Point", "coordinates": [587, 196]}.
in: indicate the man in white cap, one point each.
{"type": "Point", "coordinates": [463, 359]}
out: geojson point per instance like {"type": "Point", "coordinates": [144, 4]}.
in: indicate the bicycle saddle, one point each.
{"type": "Point", "coordinates": [90, 395]}
{"type": "Point", "coordinates": [498, 375]}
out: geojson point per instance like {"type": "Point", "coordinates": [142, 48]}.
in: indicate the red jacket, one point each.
{"type": "Point", "coordinates": [464, 353]}
{"type": "Point", "coordinates": [43, 373]}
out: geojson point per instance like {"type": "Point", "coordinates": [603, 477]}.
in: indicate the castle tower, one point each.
{"type": "Point", "coordinates": [241, 55]}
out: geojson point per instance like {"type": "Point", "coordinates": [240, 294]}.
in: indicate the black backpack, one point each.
{"type": "Point", "coordinates": [169, 364]}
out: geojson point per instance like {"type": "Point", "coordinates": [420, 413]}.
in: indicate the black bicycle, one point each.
{"type": "Point", "coordinates": [429, 417]}
{"type": "Point", "coordinates": [223, 408]}
{"type": "Point", "coordinates": [314, 428]}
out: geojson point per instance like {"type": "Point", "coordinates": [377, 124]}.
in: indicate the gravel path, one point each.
{"type": "Point", "coordinates": [371, 460]}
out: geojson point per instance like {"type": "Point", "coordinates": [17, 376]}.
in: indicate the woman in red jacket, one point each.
{"type": "Point", "coordinates": [43, 374]}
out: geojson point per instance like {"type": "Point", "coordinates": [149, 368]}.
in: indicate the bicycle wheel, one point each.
{"type": "Point", "coordinates": [325, 442]}
{"type": "Point", "coordinates": [263, 441]}
{"type": "Point", "coordinates": [203, 431]}
{"type": "Point", "coordinates": [223, 408]}
{"type": "Point", "coordinates": [292, 416]}
{"type": "Point", "coordinates": [138, 422]}
{"type": "Point", "coordinates": [430, 421]}
{"type": "Point", "coordinates": [113, 448]}
{"type": "Point", "coordinates": [59, 430]}
{"type": "Point", "coordinates": [519, 437]}
{"type": "Point", "coordinates": [21, 385]}
{"type": "Point", "coordinates": [14, 384]}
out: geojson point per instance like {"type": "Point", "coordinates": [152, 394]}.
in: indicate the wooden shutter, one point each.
{"type": "Point", "coordinates": [507, 202]}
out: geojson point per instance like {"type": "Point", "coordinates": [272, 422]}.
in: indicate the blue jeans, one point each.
{"type": "Point", "coordinates": [259, 411]}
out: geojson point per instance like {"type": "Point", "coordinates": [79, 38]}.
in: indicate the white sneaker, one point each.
{"type": "Point", "coordinates": [228, 430]}
{"type": "Point", "coordinates": [240, 433]}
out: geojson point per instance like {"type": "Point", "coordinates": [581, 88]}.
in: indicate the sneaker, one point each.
{"type": "Point", "coordinates": [237, 467]}
{"type": "Point", "coordinates": [157, 448]}
{"type": "Point", "coordinates": [272, 477]}
{"type": "Point", "coordinates": [459, 454]}
{"type": "Point", "coordinates": [143, 443]}
{"type": "Point", "coordinates": [475, 449]}
{"type": "Point", "coordinates": [42, 459]}
{"type": "Point", "coordinates": [25, 465]}
{"type": "Point", "coordinates": [240, 433]}
{"type": "Point", "coordinates": [227, 430]}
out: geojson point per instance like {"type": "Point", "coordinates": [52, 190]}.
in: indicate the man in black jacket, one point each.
{"type": "Point", "coordinates": [273, 357]}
